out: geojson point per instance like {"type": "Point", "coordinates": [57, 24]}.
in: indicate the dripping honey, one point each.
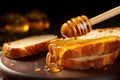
{"type": "Point", "coordinates": [53, 67]}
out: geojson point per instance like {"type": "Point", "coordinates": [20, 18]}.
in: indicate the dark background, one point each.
{"type": "Point", "coordinates": [59, 11]}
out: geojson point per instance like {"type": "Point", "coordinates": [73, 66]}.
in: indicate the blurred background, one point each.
{"type": "Point", "coordinates": [56, 13]}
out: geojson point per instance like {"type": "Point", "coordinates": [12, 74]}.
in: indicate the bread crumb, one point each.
{"type": "Point", "coordinates": [37, 69]}
{"type": "Point", "coordinates": [11, 64]}
{"type": "Point", "coordinates": [45, 67]}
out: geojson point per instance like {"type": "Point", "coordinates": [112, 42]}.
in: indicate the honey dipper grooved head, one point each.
{"type": "Point", "coordinates": [76, 27]}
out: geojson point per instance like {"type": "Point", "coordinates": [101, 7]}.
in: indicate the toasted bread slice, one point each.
{"type": "Point", "coordinates": [99, 42]}
{"type": "Point", "coordinates": [27, 46]}
{"type": "Point", "coordinates": [88, 62]}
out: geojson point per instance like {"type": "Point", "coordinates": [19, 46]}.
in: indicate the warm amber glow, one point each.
{"type": "Point", "coordinates": [26, 28]}
{"type": "Point", "coordinates": [23, 28]}
{"type": "Point", "coordinates": [47, 25]}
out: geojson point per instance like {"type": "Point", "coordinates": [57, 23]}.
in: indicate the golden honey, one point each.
{"type": "Point", "coordinates": [53, 67]}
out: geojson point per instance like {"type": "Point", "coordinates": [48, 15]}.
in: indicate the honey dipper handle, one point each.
{"type": "Point", "coordinates": [106, 15]}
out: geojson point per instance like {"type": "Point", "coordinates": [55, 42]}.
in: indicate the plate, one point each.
{"type": "Point", "coordinates": [33, 68]}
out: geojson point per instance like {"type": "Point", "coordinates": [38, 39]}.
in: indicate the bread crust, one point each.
{"type": "Point", "coordinates": [16, 52]}
{"type": "Point", "coordinates": [99, 62]}
{"type": "Point", "coordinates": [96, 63]}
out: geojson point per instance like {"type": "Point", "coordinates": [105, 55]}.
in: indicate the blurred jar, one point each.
{"type": "Point", "coordinates": [15, 23]}
{"type": "Point", "coordinates": [38, 20]}
{"type": "Point", "coordinates": [14, 26]}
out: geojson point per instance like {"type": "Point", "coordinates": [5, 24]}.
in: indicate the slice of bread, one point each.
{"type": "Point", "coordinates": [95, 61]}
{"type": "Point", "coordinates": [27, 46]}
{"type": "Point", "coordinates": [99, 46]}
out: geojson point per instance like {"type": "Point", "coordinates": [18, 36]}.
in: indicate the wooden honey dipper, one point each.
{"type": "Point", "coordinates": [81, 25]}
